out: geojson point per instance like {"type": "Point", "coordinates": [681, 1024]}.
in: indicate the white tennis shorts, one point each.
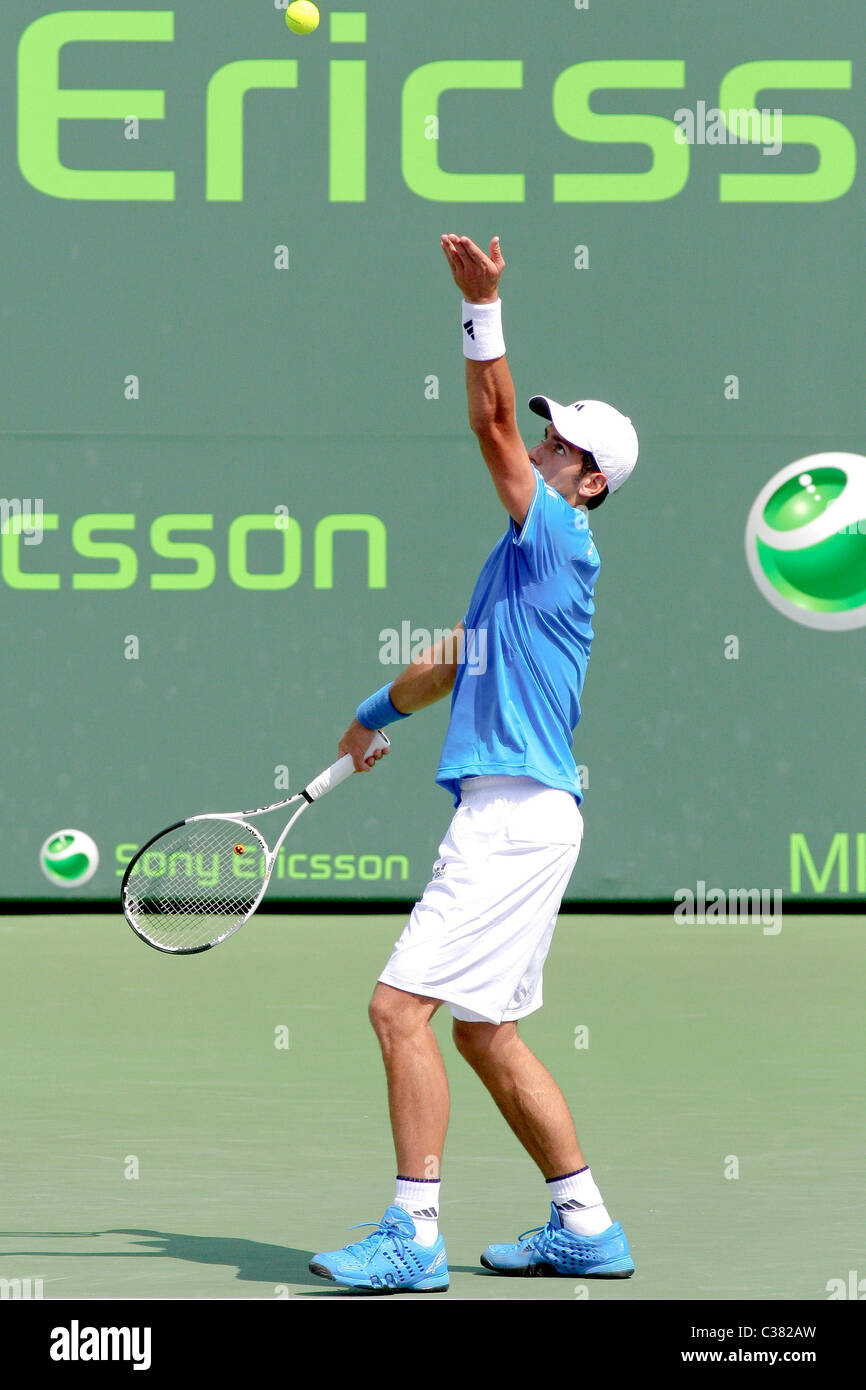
{"type": "Point", "coordinates": [479, 936]}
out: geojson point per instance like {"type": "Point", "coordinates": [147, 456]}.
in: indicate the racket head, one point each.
{"type": "Point", "coordinates": [195, 883]}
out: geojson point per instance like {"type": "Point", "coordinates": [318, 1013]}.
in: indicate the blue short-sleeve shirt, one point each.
{"type": "Point", "coordinates": [516, 698]}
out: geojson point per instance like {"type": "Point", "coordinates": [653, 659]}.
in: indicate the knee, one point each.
{"type": "Point", "coordinates": [381, 1014]}
{"type": "Point", "coordinates": [395, 1015]}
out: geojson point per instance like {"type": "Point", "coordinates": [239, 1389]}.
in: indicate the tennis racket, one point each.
{"type": "Point", "coordinates": [194, 884]}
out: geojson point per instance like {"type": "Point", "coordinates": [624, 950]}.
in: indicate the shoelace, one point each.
{"type": "Point", "coordinates": [384, 1230]}
{"type": "Point", "coordinates": [547, 1231]}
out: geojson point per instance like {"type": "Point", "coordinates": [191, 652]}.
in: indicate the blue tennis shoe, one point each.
{"type": "Point", "coordinates": [389, 1260]}
{"type": "Point", "coordinates": [551, 1249]}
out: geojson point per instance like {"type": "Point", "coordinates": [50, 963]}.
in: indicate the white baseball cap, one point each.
{"type": "Point", "coordinates": [592, 425]}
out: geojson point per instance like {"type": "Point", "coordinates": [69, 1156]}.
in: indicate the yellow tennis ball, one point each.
{"type": "Point", "coordinates": [302, 17]}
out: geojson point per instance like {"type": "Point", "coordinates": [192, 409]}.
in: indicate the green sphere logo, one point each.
{"type": "Point", "coordinates": [69, 858]}
{"type": "Point", "coordinates": [806, 541]}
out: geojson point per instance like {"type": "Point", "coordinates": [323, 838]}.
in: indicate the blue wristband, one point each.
{"type": "Point", "coordinates": [378, 710]}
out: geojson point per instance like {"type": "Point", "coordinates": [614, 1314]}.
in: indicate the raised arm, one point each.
{"type": "Point", "coordinates": [489, 387]}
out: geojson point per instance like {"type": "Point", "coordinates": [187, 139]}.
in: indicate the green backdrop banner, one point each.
{"type": "Point", "coordinates": [239, 488]}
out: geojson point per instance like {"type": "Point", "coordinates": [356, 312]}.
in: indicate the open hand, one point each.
{"type": "Point", "coordinates": [475, 275]}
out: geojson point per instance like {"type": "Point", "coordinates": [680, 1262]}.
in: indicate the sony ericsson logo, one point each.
{"type": "Point", "coordinates": [806, 541]}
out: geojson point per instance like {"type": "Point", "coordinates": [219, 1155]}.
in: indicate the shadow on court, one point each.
{"type": "Point", "coordinates": [256, 1262]}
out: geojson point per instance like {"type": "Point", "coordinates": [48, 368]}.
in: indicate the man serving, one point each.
{"type": "Point", "coordinates": [478, 938]}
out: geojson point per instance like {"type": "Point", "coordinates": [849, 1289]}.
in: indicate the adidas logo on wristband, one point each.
{"type": "Point", "coordinates": [482, 330]}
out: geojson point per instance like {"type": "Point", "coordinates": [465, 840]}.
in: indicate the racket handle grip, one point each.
{"type": "Point", "coordinates": [342, 770]}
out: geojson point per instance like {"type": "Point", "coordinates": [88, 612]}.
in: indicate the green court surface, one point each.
{"type": "Point", "coordinates": [711, 1050]}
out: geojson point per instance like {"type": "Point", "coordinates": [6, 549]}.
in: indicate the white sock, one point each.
{"type": "Point", "coordinates": [579, 1203]}
{"type": "Point", "coordinates": [420, 1198]}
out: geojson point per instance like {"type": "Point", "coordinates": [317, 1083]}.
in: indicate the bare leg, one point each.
{"type": "Point", "coordinates": [525, 1092]}
{"type": "Point", "coordinates": [418, 1095]}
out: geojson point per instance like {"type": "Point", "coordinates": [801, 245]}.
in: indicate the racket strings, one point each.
{"type": "Point", "coordinates": [196, 884]}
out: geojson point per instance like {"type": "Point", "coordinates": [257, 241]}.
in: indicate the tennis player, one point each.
{"type": "Point", "coordinates": [478, 938]}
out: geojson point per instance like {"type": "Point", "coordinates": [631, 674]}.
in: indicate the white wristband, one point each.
{"type": "Point", "coordinates": [482, 331]}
